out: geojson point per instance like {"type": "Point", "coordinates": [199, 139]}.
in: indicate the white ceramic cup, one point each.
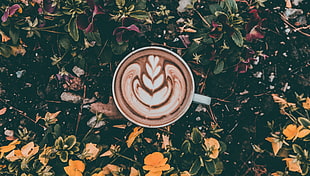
{"type": "Point", "coordinates": [154, 87]}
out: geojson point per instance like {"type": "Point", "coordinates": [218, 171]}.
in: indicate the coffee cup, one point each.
{"type": "Point", "coordinates": [154, 87]}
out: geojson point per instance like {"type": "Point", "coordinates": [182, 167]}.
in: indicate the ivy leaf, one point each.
{"type": "Point", "coordinates": [237, 38]}
{"type": "Point", "coordinates": [73, 28]}
{"type": "Point", "coordinates": [219, 67]}
{"type": "Point", "coordinates": [196, 166]}
{"type": "Point", "coordinates": [196, 136]}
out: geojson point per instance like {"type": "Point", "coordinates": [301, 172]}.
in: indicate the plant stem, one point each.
{"type": "Point", "coordinates": [202, 18]}
{"type": "Point", "coordinates": [127, 158]}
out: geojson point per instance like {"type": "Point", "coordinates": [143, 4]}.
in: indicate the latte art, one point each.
{"type": "Point", "coordinates": [152, 88]}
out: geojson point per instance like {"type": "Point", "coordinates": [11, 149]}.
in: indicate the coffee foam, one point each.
{"type": "Point", "coordinates": [153, 88]}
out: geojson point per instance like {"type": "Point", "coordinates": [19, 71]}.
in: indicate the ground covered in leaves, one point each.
{"type": "Point", "coordinates": [241, 102]}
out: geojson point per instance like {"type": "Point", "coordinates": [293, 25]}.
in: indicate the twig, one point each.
{"type": "Point", "coordinates": [103, 47]}
{"type": "Point", "coordinates": [20, 112]}
{"type": "Point", "coordinates": [294, 28]}
{"type": "Point", "coordinates": [202, 18]}
{"type": "Point", "coordinates": [81, 111]}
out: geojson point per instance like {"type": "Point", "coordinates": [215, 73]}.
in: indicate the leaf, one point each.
{"type": "Point", "coordinates": [63, 156]}
{"type": "Point", "coordinates": [69, 142]}
{"type": "Point", "coordinates": [219, 67]}
{"type": "Point", "coordinates": [196, 136]}
{"type": "Point", "coordinates": [237, 38]}
{"type": "Point", "coordinates": [3, 111]}
{"type": "Point", "coordinates": [215, 7]}
{"type": "Point", "coordinates": [186, 147]}
{"type": "Point", "coordinates": [231, 6]}
{"type": "Point", "coordinates": [305, 169]}
{"type": "Point", "coordinates": [196, 166]}
{"type": "Point", "coordinates": [304, 122]}
{"type": "Point", "coordinates": [5, 50]}
{"type": "Point", "coordinates": [140, 5]}
{"type": "Point", "coordinates": [219, 167]}
{"type": "Point", "coordinates": [297, 149]}
{"type": "Point", "coordinates": [139, 14]}
{"type": "Point", "coordinates": [59, 143]}
{"type": "Point", "coordinates": [64, 42]}
{"type": "Point", "coordinates": [120, 3]}
{"type": "Point", "coordinates": [210, 167]}
{"type": "Point", "coordinates": [73, 28]}
{"type": "Point", "coordinates": [120, 48]}
{"type": "Point", "coordinates": [57, 130]}
{"type": "Point", "coordinates": [14, 34]}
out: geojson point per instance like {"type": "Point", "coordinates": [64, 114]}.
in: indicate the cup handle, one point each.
{"type": "Point", "coordinates": [201, 99]}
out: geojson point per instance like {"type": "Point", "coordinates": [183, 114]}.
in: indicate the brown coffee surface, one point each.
{"type": "Point", "coordinates": [153, 87]}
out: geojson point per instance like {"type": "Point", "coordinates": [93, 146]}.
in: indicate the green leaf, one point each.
{"type": "Point", "coordinates": [73, 29]}
{"type": "Point", "coordinates": [215, 7]}
{"type": "Point", "coordinates": [5, 50]}
{"type": "Point", "coordinates": [219, 67]}
{"type": "Point", "coordinates": [64, 42]}
{"type": "Point", "coordinates": [305, 169]}
{"type": "Point", "coordinates": [120, 48]}
{"type": "Point", "coordinates": [186, 147]}
{"type": "Point", "coordinates": [63, 156]}
{"type": "Point", "coordinates": [219, 167]}
{"type": "Point", "coordinates": [69, 142]}
{"type": "Point", "coordinates": [94, 36]}
{"type": "Point", "coordinates": [141, 5]}
{"type": "Point", "coordinates": [237, 38]}
{"type": "Point", "coordinates": [59, 143]}
{"type": "Point", "coordinates": [14, 34]}
{"type": "Point", "coordinates": [13, 167]}
{"type": "Point", "coordinates": [297, 149]}
{"type": "Point", "coordinates": [223, 146]}
{"type": "Point", "coordinates": [139, 14]}
{"type": "Point", "coordinates": [210, 167]}
{"type": "Point", "coordinates": [196, 166]}
{"type": "Point", "coordinates": [57, 130]}
{"type": "Point", "coordinates": [231, 6]}
{"type": "Point", "coordinates": [304, 122]}
{"type": "Point", "coordinates": [196, 136]}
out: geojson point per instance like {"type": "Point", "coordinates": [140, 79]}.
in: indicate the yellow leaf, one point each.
{"type": "Point", "coordinates": [275, 143]}
{"type": "Point", "coordinates": [136, 132]}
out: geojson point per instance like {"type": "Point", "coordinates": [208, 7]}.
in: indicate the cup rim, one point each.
{"type": "Point", "coordinates": [191, 95]}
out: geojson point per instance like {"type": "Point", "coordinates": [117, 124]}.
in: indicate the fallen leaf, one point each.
{"type": "Point", "coordinates": [109, 109]}
{"type": "Point", "coordinates": [3, 111]}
